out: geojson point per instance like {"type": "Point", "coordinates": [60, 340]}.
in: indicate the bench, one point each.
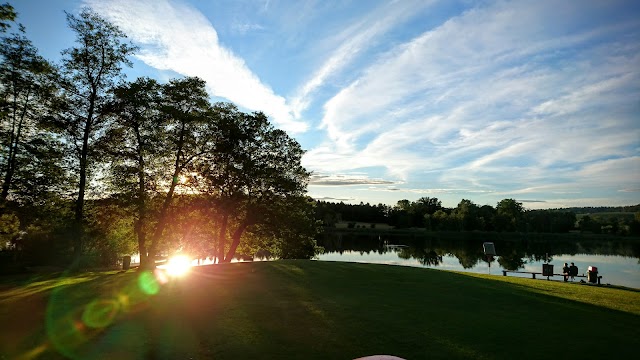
{"type": "Point", "coordinates": [533, 274]}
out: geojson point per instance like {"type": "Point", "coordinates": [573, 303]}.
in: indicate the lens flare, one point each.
{"type": "Point", "coordinates": [100, 313]}
{"type": "Point", "coordinates": [148, 283]}
{"type": "Point", "coordinates": [178, 265]}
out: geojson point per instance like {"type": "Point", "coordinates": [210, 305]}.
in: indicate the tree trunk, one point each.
{"type": "Point", "coordinates": [162, 222]}
{"type": "Point", "coordinates": [142, 206]}
{"type": "Point", "coordinates": [79, 209]}
{"type": "Point", "coordinates": [13, 150]}
{"type": "Point", "coordinates": [236, 241]}
{"type": "Point", "coordinates": [142, 248]}
{"type": "Point", "coordinates": [222, 237]}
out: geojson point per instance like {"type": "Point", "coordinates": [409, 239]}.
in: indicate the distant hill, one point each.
{"type": "Point", "coordinates": [604, 209]}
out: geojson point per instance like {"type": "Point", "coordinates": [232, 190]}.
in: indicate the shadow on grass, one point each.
{"type": "Point", "coordinates": [318, 310]}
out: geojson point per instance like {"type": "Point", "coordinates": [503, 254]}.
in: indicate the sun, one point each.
{"type": "Point", "coordinates": [178, 265]}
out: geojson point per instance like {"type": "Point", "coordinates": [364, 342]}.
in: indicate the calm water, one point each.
{"type": "Point", "coordinates": [618, 263]}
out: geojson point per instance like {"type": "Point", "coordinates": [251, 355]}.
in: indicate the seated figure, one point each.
{"type": "Point", "coordinates": [573, 271]}
{"type": "Point", "coordinates": [565, 271]}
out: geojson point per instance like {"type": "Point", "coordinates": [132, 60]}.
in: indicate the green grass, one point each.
{"type": "Point", "coordinates": [316, 310]}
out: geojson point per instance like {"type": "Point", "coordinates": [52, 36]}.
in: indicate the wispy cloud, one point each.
{"type": "Point", "coordinates": [525, 102]}
{"type": "Point", "coordinates": [328, 198]}
{"type": "Point", "coordinates": [174, 36]}
{"type": "Point", "coordinates": [354, 41]}
{"type": "Point", "coordinates": [243, 28]}
{"type": "Point", "coordinates": [629, 190]}
{"type": "Point", "coordinates": [342, 180]}
{"type": "Point", "coordinates": [537, 100]}
{"type": "Point", "coordinates": [429, 191]}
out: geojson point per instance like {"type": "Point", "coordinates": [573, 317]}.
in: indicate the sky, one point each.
{"type": "Point", "coordinates": [537, 101]}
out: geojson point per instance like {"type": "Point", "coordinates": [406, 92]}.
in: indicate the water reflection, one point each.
{"type": "Point", "coordinates": [424, 256]}
{"type": "Point", "coordinates": [618, 260]}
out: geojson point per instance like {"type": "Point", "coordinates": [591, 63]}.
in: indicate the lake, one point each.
{"type": "Point", "coordinates": [618, 262]}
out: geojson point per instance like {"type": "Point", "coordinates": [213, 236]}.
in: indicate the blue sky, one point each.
{"type": "Point", "coordinates": [483, 100]}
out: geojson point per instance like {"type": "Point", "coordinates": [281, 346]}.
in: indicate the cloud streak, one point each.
{"type": "Point", "coordinates": [342, 180]}
{"type": "Point", "coordinates": [522, 103]}
{"type": "Point", "coordinates": [354, 41]}
{"type": "Point", "coordinates": [174, 36]}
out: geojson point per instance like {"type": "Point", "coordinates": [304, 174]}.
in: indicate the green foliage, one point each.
{"type": "Point", "coordinates": [30, 157]}
{"type": "Point", "coordinates": [110, 231]}
{"type": "Point", "coordinates": [89, 72]}
{"type": "Point", "coordinates": [9, 230]}
{"type": "Point", "coordinates": [252, 178]}
{"type": "Point", "coordinates": [509, 214]}
{"type": "Point", "coordinates": [408, 214]}
{"type": "Point", "coordinates": [467, 215]}
{"type": "Point", "coordinates": [7, 13]}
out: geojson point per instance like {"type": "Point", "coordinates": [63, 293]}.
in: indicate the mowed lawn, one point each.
{"type": "Point", "coordinates": [313, 310]}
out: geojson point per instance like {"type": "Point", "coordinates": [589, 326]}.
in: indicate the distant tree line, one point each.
{"type": "Point", "coordinates": [94, 166]}
{"type": "Point", "coordinates": [507, 216]}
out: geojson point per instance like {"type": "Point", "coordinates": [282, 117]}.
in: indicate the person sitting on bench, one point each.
{"type": "Point", "coordinates": [573, 271]}
{"type": "Point", "coordinates": [565, 271]}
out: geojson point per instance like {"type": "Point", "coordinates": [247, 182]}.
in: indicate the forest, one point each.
{"type": "Point", "coordinates": [508, 215]}
{"type": "Point", "coordinates": [95, 167]}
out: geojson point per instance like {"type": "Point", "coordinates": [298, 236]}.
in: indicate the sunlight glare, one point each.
{"type": "Point", "coordinates": [178, 265]}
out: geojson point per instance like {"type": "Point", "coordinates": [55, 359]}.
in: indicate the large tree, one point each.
{"type": "Point", "coordinates": [137, 141]}
{"type": "Point", "coordinates": [466, 213]}
{"type": "Point", "coordinates": [160, 131]}
{"type": "Point", "coordinates": [26, 88]}
{"type": "Point", "coordinates": [250, 173]}
{"type": "Point", "coordinates": [509, 214]}
{"type": "Point", "coordinates": [90, 70]}
{"type": "Point", "coordinates": [188, 122]}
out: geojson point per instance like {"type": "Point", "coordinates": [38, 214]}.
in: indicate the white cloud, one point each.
{"type": "Point", "coordinates": [353, 41]}
{"type": "Point", "coordinates": [174, 36]}
{"type": "Point", "coordinates": [538, 99]}
{"type": "Point", "coordinates": [243, 28]}
{"type": "Point", "coordinates": [346, 179]}
{"type": "Point", "coordinates": [500, 97]}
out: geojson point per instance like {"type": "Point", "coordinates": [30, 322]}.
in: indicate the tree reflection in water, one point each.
{"type": "Point", "coordinates": [426, 257]}
{"type": "Point", "coordinates": [513, 252]}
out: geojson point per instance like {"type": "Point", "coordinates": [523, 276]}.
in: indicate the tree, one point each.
{"type": "Point", "coordinates": [427, 205]}
{"type": "Point", "coordinates": [288, 229]}
{"type": "Point", "coordinates": [485, 217]}
{"type": "Point", "coordinates": [588, 224]}
{"type": "Point", "coordinates": [189, 124]}
{"type": "Point", "coordinates": [440, 220]}
{"type": "Point", "coordinates": [467, 215]}
{"type": "Point", "coordinates": [26, 87]}
{"type": "Point", "coordinates": [90, 70]}
{"type": "Point", "coordinates": [250, 172]}
{"type": "Point", "coordinates": [509, 214]}
{"type": "Point", "coordinates": [7, 13]}
{"type": "Point", "coordinates": [138, 138]}
{"type": "Point", "coordinates": [413, 214]}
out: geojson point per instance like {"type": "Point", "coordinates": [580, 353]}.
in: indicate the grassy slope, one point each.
{"type": "Point", "coordinates": [308, 309]}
